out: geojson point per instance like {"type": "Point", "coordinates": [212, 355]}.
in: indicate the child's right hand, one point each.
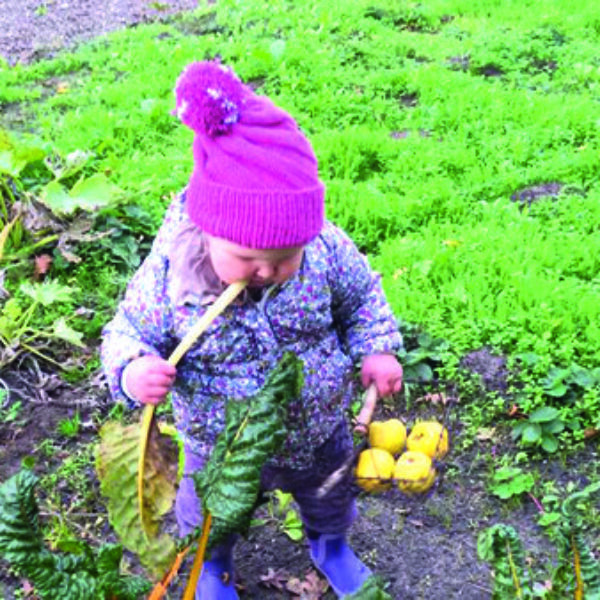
{"type": "Point", "coordinates": [148, 379]}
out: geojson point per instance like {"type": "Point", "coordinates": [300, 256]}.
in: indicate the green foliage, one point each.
{"type": "Point", "coordinates": [69, 427]}
{"type": "Point", "coordinates": [501, 547]}
{"type": "Point", "coordinates": [540, 428]}
{"type": "Point", "coordinates": [421, 353]}
{"type": "Point", "coordinates": [21, 321]}
{"type": "Point", "coordinates": [372, 589]}
{"type": "Point", "coordinates": [229, 484]}
{"type": "Point", "coordinates": [283, 515]}
{"type": "Point", "coordinates": [508, 482]}
{"type": "Point", "coordinates": [81, 574]}
{"type": "Point", "coordinates": [577, 571]}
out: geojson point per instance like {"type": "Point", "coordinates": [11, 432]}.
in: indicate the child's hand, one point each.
{"type": "Point", "coordinates": [148, 379]}
{"type": "Point", "coordinates": [384, 371]}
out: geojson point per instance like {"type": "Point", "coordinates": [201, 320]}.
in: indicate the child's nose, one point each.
{"type": "Point", "coordinates": [266, 271]}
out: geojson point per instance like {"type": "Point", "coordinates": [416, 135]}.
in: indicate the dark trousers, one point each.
{"type": "Point", "coordinates": [332, 514]}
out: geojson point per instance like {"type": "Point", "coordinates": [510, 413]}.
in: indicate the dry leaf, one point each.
{"type": "Point", "coordinates": [437, 398]}
{"type": "Point", "coordinates": [515, 412]}
{"type": "Point", "coordinates": [452, 243]}
{"type": "Point", "coordinates": [416, 522]}
{"type": "Point", "coordinates": [312, 588]}
{"type": "Point", "coordinates": [399, 272]}
{"type": "Point", "coordinates": [275, 579]}
{"type": "Point", "coordinates": [485, 434]}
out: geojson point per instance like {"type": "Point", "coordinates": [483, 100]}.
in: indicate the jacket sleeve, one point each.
{"type": "Point", "coordinates": [363, 317]}
{"type": "Point", "coordinates": [143, 323]}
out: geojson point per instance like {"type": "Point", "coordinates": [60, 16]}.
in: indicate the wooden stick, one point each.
{"type": "Point", "coordinates": [362, 428]}
{"type": "Point", "coordinates": [365, 415]}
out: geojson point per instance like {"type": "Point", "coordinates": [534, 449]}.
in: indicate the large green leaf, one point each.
{"type": "Point", "coordinates": [80, 576]}
{"type": "Point", "coordinates": [255, 429]}
{"type": "Point", "coordinates": [544, 414]}
{"type": "Point", "coordinates": [88, 194]}
{"type": "Point", "coordinates": [20, 534]}
{"type": "Point", "coordinates": [117, 467]}
{"type": "Point", "coordinates": [16, 155]}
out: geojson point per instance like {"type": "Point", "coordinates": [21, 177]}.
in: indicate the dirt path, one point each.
{"type": "Point", "coordinates": [35, 29]}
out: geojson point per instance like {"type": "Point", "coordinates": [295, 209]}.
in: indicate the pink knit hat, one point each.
{"type": "Point", "coordinates": [255, 180]}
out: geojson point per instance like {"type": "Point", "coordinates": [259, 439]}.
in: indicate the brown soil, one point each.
{"type": "Point", "coordinates": [424, 547]}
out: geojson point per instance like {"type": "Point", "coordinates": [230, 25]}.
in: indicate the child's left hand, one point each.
{"type": "Point", "coordinates": [384, 371]}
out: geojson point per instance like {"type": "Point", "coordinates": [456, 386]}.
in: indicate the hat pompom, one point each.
{"type": "Point", "coordinates": [208, 98]}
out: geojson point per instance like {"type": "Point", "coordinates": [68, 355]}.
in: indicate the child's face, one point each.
{"type": "Point", "coordinates": [233, 262]}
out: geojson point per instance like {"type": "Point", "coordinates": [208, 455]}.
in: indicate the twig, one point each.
{"type": "Point", "coordinates": [537, 503]}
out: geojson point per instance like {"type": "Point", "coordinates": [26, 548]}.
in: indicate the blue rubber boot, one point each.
{"type": "Point", "coordinates": [217, 578]}
{"type": "Point", "coordinates": [345, 572]}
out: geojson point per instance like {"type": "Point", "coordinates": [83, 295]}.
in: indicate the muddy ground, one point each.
{"type": "Point", "coordinates": [424, 547]}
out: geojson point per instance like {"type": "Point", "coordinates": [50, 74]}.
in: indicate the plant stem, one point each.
{"type": "Point", "coordinates": [537, 503]}
{"type": "Point", "coordinates": [190, 590]}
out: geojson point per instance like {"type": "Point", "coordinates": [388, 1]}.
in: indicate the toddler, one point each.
{"type": "Point", "coordinates": [253, 210]}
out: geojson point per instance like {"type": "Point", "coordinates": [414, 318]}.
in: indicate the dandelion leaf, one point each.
{"type": "Point", "coordinates": [117, 466]}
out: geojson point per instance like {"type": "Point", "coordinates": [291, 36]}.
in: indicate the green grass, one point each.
{"type": "Point", "coordinates": [428, 122]}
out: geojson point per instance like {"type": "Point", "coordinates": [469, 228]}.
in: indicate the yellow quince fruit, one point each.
{"type": "Point", "coordinates": [374, 470]}
{"type": "Point", "coordinates": [388, 435]}
{"type": "Point", "coordinates": [414, 472]}
{"type": "Point", "coordinates": [429, 437]}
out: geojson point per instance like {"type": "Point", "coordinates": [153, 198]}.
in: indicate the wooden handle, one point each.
{"type": "Point", "coordinates": [366, 412]}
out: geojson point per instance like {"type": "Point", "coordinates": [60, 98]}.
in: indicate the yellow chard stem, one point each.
{"type": "Point", "coordinates": [204, 322]}
{"type": "Point", "coordinates": [190, 590]}
{"type": "Point", "coordinates": [577, 567]}
{"type": "Point", "coordinates": [513, 571]}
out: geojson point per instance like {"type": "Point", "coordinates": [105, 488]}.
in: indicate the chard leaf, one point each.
{"type": "Point", "coordinates": [81, 576]}
{"type": "Point", "coordinates": [20, 533]}
{"type": "Point", "coordinates": [229, 484]}
{"type": "Point", "coordinates": [117, 468]}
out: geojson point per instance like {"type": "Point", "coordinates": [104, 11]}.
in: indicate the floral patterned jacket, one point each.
{"type": "Point", "coordinates": [331, 313]}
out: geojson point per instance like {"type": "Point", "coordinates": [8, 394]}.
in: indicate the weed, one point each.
{"type": "Point", "coordinates": [282, 513]}
{"type": "Point", "coordinates": [69, 427]}
{"type": "Point", "coordinates": [509, 482]}
{"type": "Point", "coordinates": [540, 428]}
